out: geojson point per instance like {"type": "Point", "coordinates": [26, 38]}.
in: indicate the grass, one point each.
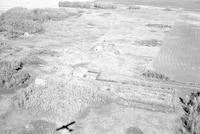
{"type": "Point", "coordinates": [18, 21]}
{"type": "Point", "coordinates": [190, 120]}
{"type": "Point", "coordinates": [18, 80]}
{"type": "Point", "coordinates": [3, 46]}
{"type": "Point", "coordinates": [12, 75]}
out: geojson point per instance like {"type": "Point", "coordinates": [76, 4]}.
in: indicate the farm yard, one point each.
{"type": "Point", "coordinates": [106, 68]}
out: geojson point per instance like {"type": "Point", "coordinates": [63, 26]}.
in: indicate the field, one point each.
{"type": "Point", "coordinates": [179, 57]}
{"type": "Point", "coordinates": [111, 70]}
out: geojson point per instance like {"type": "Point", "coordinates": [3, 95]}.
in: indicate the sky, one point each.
{"type": "Point", "coordinates": [6, 4]}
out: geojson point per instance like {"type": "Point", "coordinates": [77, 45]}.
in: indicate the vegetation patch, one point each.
{"type": "Point", "coordinates": [18, 21]}
{"type": "Point", "coordinates": [134, 7]}
{"type": "Point", "coordinates": [8, 49]}
{"type": "Point", "coordinates": [3, 43]}
{"type": "Point", "coordinates": [88, 5]}
{"type": "Point", "coordinates": [190, 120]}
{"type": "Point", "coordinates": [155, 76]}
{"type": "Point", "coordinates": [161, 26]}
{"type": "Point", "coordinates": [42, 15]}
{"type": "Point", "coordinates": [75, 4]}
{"type": "Point", "coordinates": [4, 46]}
{"type": "Point", "coordinates": [12, 76]}
{"type": "Point", "coordinates": [44, 52]}
{"type": "Point", "coordinates": [133, 130]}
{"type": "Point", "coordinates": [100, 5]}
{"type": "Point", "coordinates": [167, 9]}
{"type": "Point", "coordinates": [149, 43]}
{"type": "Point", "coordinates": [32, 60]}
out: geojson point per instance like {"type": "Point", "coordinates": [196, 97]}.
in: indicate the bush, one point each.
{"type": "Point", "coordinates": [154, 75]}
{"type": "Point", "coordinates": [190, 120]}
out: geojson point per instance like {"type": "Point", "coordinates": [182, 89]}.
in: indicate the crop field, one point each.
{"type": "Point", "coordinates": [179, 57]}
